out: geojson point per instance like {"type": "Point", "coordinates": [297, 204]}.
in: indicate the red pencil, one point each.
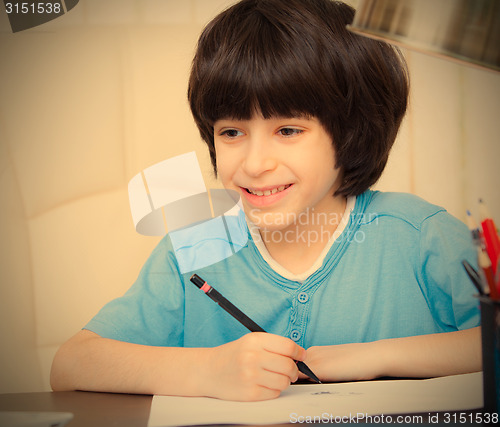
{"type": "Point", "coordinates": [490, 235]}
{"type": "Point", "coordinates": [497, 276]}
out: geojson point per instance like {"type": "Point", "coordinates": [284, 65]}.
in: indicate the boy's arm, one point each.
{"type": "Point", "coordinates": [90, 362]}
{"type": "Point", "coordinates": [421, 356]}
{"type": "Point", "coordinates": [257, 366]}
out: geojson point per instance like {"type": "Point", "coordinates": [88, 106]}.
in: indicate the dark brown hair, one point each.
{"type": "Point", "coordinates": [287, 58]}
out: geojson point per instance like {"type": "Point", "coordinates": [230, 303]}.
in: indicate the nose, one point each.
{"type": "Point", "coordinates": [259, 157]}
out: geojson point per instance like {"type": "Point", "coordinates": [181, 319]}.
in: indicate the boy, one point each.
{"type": "Point", "coordinates": [299, 116]}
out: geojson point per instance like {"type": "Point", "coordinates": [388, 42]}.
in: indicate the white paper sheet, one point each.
{"type": "Point", "coordinates": [326, 401]}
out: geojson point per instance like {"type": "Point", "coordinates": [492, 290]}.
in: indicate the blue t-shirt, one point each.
{"type": "Point", "coordinates": [395, 271]}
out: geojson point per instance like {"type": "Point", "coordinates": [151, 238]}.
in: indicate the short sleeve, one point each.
{"type": "Point", "coordinates": [151, 312]}
{"type": "Point", "coordinates": [445, 242]}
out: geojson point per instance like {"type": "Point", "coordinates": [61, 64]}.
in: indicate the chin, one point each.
{"type": "Point", "coordinates": [268, 222]}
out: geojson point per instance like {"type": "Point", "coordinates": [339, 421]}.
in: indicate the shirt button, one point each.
{"type": "Point", "coordinates": [303, 297]}
{"type": "Point", "coordinates": [295, 335]}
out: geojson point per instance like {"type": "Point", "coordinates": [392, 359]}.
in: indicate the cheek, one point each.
{"type": "Point", "coordinates": [322, 169]}
{"type": "Point", "coordinates": [321, 161]}
{"type": "Point", "coordinates": [225, 165]}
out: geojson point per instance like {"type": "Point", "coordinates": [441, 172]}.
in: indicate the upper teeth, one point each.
{"type": "Point", "coordinates": [268, 192]}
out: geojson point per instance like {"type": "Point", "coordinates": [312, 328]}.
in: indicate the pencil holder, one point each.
{"type": "Point", "coordinates": [490, 335]}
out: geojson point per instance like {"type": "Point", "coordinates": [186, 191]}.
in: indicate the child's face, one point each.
{"type": "Point", "coordinates": [281, 167]}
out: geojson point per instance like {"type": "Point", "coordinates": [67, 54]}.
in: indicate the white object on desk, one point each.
{"type": "Point", "coordinates": [326, 401]}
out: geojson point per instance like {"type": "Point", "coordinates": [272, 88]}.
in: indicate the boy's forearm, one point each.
{"type": "Point", "coordinates": [257, 366]}
{"type": "Point", "coordinates": [423, 356]}
{"type": "Point", "coordinates": [89, 362]}
{"type": "Point", "coordinates": [431, 355]}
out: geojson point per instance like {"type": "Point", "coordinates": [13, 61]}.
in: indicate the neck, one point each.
{"type": "Point", "coordinates": [299, 244]}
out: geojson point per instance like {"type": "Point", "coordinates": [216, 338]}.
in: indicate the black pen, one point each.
{"type": "Point", "coordinates": [474, 277]}
{"type": "Point", "coordinates": [242, 317]}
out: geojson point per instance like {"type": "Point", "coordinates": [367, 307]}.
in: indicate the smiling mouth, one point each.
{"type": "Point", "coordinates": [267, 192]}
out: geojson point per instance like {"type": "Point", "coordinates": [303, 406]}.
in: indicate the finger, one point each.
{"type": "Point", "coordinates": [302, 376]}
{"type": "Point", "coordinates": [255, 394]}
{"type": "Point", "coordinates": [281, 365]}
{"type": "Point", "coordinates": [283, 346]}
{"type": "Point", "coordinates": [274, 381]}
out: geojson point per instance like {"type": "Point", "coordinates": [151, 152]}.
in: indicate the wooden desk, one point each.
{"type": "Point", "coordinates": [101, 409]}
{"type": "Point", "coordinates": [89, 409]}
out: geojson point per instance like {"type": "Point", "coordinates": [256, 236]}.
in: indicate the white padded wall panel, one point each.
{"type": "Point", "coordinates": [437, 134]}
{"type": "Point", "coordinates": [19, 365]}
{"type": "Point", "coordinates": [84, 254]}
{"type": "Point", "coordinates": [481, 125]}
{"type": "Point", "coordinates": [165, 12]}
{"type": "Point", "coordinates": [205, 10]}
{"type": "Point", "coordinates": [110, 12]}
{"type": "Point", "coordinates": [397, 175]}
{"type": "Point", "coordinates": [158, 121]}
{"type": "Point", "coordinates": [61, 108]}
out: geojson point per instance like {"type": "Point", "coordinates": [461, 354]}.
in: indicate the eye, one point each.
{"type": "Point", "coordinates": [230, 133]}
{"type": "Point", "coordinates": [287, 132]}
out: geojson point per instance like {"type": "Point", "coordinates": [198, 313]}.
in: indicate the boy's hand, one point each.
{"type": "Point", "coordinates": [346, 362]}
{"type": "Point", "coordinates": [258, 366]}
{"type": "Point", "coordinates": [420, 356]}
